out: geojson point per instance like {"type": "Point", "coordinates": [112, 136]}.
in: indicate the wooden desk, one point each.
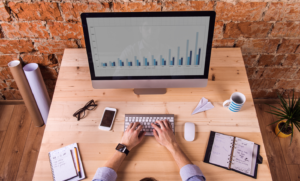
{"type": "Point", "coordinates": [74, 89]}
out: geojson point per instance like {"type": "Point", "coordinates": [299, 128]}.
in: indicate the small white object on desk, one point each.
{"type": "Point", "coordinates": [189, 131]}
{"type": "Point", "coordinates": [203, 105]}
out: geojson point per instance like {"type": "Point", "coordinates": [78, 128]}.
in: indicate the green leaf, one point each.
{"type": "Point", "coordinates": [276, 121]}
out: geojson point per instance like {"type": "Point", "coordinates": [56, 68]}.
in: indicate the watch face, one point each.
{"type": "Point", "coordinates": [120, 147]}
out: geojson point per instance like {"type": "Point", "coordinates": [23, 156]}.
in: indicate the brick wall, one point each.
{"type": "Point", "coordinates": [267, 32]}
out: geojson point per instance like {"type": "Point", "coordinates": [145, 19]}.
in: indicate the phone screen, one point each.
{"type": "Point", "coordinates": [107, 118]}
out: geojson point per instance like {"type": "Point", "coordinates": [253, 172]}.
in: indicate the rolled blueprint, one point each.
{"type": "Point", "coordinates": [38, 88]}
{"type": "Point", "coordinates": [22, 83]}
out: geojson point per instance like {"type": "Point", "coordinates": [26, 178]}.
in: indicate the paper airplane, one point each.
{"type": "Point", "coordinates": [203, 105]}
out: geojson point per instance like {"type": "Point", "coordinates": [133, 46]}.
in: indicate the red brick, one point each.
{"type": "Point", "coordinates": [247, 29]}
{"type": "Point", "coordinates": [264, 93]}
{"type": "Point", "coordinates": [43, 60]}
{"type": "Point", "coordinates": [4, 13]}
{"type": "Point", "coordinates": [223, 43]}
{"type": "Point", "coordinates": [288, 45]}
{"type": "Point", "coordinates": [5, 73]}
{"type": "Point", "coordinates": [7, 94]}
{"type": "Point", "coordinates": [82, 42]}
{"type": "Point", "coordinates": [36, 11]}
{"type": "Point", "coordinates": [292, 60]}
{"type": "Point", "coordinates": [276, 73]}
{"type": "Point", "coordinates": [292, 12]}
{"type": "Point", "coordinates": [202, 6]}
{"type": "Point", "coordinates": [288, 84]}
{"type": "Point", "coordinates": [4, 59]}
{"type": "Point", "coordinates": [266, 60]}
{"type": "Point", "coordinates": [59, 58]}
{"type": "Point", "coordinates": [99, 7]}
{"type": "Point", "coordinates": [298, 50]}
{"type": "Point", "coordinates": [50, 84]}
{"type": "Point", "coordinates": [188, 6]}
{"type": "Point", "coordinates": [289, 29]}
{"type": "Point", "coordinates": [258, 45]}
{"type": "Point", "coordinates": [48, 73]}
{"type": "Point", "coordinates": [15, 46]}
{"type": "Point", "coordinates": [288, 93]}
{"type": "Point", "coordinates": [297, 76]}
{"type": "Point", "coordinates": [25, 30]}
{"type": "Point", "coordinates": [65, 31]}
{"type": "Point", "coordinates": [275, 12]}
{"type": "Point", "coordinates": [242, 11]}
{"type": "Point", "coordinates": [279, 11]}
{"type": "Point", "coordinates": [2, 85]}
{"type": "Point", "coordinates": [218, 32]}
{"type": "Point", "coordinates": [250, 72]}
{"type": "Point", "coordinates": [250, 60]}
{"type": "Point", "coordinates": [258, 73]}
{"type": "Point", "coordinates": [135, 7]}
{"type": "Point", "coordinates": [72, 11]}
{"type": "Point", "coordinates": [181, 6]}
{"type": "Point", "coordinates": [278, 60]}
{"type": "Point", "coordinates": [263, 83]}
{"type": "Point", "coordinates": [16, 94]}
{"type": "Point", "coordinates": [13, 85]}
{"type": "Point", "coordinates": [54, 46]}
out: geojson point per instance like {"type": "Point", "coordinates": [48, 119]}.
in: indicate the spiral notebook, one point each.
{"type": "Point", "coordinates": [63, 164]}
{"type": "Point", "coordinates": [233, 153]}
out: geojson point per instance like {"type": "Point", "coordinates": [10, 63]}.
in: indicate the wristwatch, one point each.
{"type": "Point", "coordinates": [122, 148]}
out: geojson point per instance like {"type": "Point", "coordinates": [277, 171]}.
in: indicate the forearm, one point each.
{"type": "Point", "coordinates": [178, 155]}
{"type": "Point", "coordinates": [115, 162]}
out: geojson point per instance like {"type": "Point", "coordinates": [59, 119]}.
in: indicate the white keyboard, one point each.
{"type": "Point", "coordinates": [147, 119]}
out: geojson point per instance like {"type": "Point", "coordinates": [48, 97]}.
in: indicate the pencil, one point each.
{"type": "Point", "coordinates": [77, 161]}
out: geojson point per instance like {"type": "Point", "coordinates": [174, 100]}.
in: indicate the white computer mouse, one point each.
{"type": "Point", "coordinates": [189, 131]}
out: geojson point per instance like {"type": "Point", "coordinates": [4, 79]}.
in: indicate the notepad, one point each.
{"type": "Point", "coordinates": [63, 164]}
{"type": "Point", "coordinates": [233, 153]}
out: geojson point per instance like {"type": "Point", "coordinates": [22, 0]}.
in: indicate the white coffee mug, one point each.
{"type": "Point", "coordinates": [235, 102]}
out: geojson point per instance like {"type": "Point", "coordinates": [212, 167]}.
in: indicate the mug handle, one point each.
{"type": "Point", "coordinates": [225, 103]}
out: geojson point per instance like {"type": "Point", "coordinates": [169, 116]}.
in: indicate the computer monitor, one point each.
{"type": "Point", "coordinates": [148, 51]}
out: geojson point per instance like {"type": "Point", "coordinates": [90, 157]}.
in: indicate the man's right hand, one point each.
{"type": "Point", "coordinates": [164, 135]}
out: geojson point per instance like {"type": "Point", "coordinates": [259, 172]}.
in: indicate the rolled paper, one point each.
{"type": "Point", "coordinates": [38, 88]}
{"type": "Point", "coordinates": [22, 83]}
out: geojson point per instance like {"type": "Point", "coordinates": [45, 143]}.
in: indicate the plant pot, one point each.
{"type": "Point", "coordinates": [281, 134]}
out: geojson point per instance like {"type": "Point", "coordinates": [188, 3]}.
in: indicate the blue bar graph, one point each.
{"type": "Point", "coordinates": [178, 55]}
{"type": "Point", "coordinates": [173, 60]}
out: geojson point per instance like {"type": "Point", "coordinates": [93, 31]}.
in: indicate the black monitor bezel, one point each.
{"type": "Point", "coordinates": [211, 14]}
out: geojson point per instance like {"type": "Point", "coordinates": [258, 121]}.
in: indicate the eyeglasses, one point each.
{"type": "Point", "coordinates": [80, 114]}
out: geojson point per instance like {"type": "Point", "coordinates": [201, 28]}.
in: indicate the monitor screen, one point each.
{"type": "Point", "coordinates": [148, 46]}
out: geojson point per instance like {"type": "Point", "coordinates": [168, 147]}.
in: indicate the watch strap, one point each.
{"type": "Point", "coordinates": [126, 151]}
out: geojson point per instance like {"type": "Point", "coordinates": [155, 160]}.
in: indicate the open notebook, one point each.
{"type": "Point", "coordinates": [233, 153]}
{"type": "Point", "coordinates": [63, 164]}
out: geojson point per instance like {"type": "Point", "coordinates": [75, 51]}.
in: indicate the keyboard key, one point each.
{"type": "Point", "coordinates": [145, 122]}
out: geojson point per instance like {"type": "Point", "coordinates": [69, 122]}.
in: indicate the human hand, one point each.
{"type": "Point", "coordinates": [132, 136]}
{"type": "Point", "coordinates": [164, 135]}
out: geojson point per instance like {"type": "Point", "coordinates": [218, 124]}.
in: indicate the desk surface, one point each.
{"type": "Point", "coordinates": [73, 89]}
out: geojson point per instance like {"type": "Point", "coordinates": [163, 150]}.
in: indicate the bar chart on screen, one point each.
{"type": "Point", "coordinates": [161, 46]}
{"type": "Point", "coordinates": [187, 61]}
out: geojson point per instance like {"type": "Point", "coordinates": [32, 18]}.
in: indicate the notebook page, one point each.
{"type": "Point", "coordinates": [254, 156]}
{"type": "Point", "coordinates": [62, 164]}
{"type": "Point", "coordinates": [242, 156]}
{"type": "Point", "coordinates": [221, 150]}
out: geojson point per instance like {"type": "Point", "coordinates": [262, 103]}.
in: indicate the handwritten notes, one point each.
{"type": "Point", "coordinates": [62, 163]}
{"type": "Point", "coordinates": [242, 156]}
{"type": "Point", "coordinates": [221, 150]}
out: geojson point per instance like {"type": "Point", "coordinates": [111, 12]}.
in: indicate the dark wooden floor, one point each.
{"type": "Point", "coordinates": [20, 141]}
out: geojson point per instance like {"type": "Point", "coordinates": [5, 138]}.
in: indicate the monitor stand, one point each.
{"type": "Point", "coordinates": [150, 91]}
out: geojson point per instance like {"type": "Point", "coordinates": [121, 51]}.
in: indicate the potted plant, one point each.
{"type": "Point", "coordinates": [288, 116]}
